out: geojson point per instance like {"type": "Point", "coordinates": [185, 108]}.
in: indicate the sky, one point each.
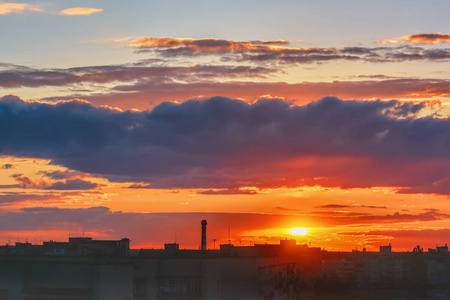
{"type": "Point", "coordinates": [139, 119]}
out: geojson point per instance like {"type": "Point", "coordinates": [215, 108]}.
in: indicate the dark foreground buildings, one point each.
{"type": "Point", "coordinates": [87, 269]}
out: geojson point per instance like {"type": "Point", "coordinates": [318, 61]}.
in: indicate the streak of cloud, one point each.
{"type": "Point", "coordinates": [277, 52]}
{"type": "Point", "coordinates": [18, 76]}
{"type": "Point", "coordinates": [17, 8]}
{"type": "Point", "coordinates": [80, 11]}
{"type": "Point", "coordinates": [69, 184]}
{"type": "Point", "coordinates": [420, 38]}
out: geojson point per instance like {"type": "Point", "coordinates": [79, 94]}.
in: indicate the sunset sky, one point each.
{"type": "Point", "coordinates": [139, 119]}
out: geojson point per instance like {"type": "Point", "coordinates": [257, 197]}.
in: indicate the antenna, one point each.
{"type": "Point", "coordinates": [229, 241]}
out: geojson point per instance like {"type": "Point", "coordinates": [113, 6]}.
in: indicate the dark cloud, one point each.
{"type": "Point", "coordinates": [67, 174]}
{"type": "Point", "coordinates": [436, 233]}
{"type": "Point", "coordinates": [8, 166]}
{"type": "Point", "coordinates": [405, 238]}
{"type": "Point", "coordinates": [285, 209]}
{"type": "Point", "coordinates": [352, 218]}
{"type": "Point", "coordinates": [139, 186]}
{"type": "Point", "coordinates": [439, 187]}
{"type": "Point", "coordinates": [72, 184]}
{"type": "Point", "coordinates": [371, 206]}
{"type": "Point", "coordinates": [227, 192]}
{"type": "Point", "coordinates": [435, 54]}
{"type": "Point", "coordinates": [68, 184]}
{"type": "Point", "coordinates": [221, 143]}
{"type": "Point", "coordinates": [19, 76]}
{"type": "Point", "coordinates": [7, 198]}
{"type": "Point", "coordinates": [333, 206]}
{"type": "Point", "coordinates": [9, 186]}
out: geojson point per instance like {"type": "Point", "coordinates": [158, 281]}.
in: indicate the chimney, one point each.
{"type": "Point", "coordinates": [203, 234]}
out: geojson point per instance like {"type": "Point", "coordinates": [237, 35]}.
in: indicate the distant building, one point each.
{"type": "Point", "coordinates": [88, 269]}
{"type": "Point", "coordinates": [82, 268]}
{"type": "Point", "coordinates": [386, 249]}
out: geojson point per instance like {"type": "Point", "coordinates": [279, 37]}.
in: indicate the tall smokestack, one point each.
{"type": "Point", "coordinates": [203, 234]}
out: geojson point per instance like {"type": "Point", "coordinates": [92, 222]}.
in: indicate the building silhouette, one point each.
{"type": "Point", "coordinates": [88, 269]}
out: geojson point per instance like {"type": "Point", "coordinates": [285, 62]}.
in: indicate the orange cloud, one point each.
{"type": "Point", "coordinates": [18, 8]}
{"type": "Point", "coordinates": [420, 38]}
{"type": "Point", "coordinates": [276, 51]}
{"type": "Point", "coordinates": [136, 96]}
{"type": "Point", "coordinates": [393, 41]}
{"type": "Point", "coordinates": [206, 44]}
{"type": "Point", "coordinates": [218, 45]}
{"type": "Point", "coordinates": [78, 11]}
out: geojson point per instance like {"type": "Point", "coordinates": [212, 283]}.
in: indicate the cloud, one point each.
{"type": "Point", "coordinates": [277, 52]}
{"type": "Point", "coordinates": [136, 85]}
{"type": "Point", "coordinates": [8, 198]}
{"type": "Point", "coordinates": [339, 206]}
{"type": "Point", "coordinates": [8, 166]}
{"type": "Point", "coordinates": [144, 93]}
{"type": "Point", "coordinates": [68, 184]}
{"type": "Point", "coordinates": [19, 76]}
{"type": "Point", "coordinates": [404, 238]}
{"type": "Point", "coordinates": [420, 38]}
{"type": "Point", "coordinates": [333, 206]}
{"type": "Point", "coordinates": [67, 174]}
{"type": "Point", "coordinates": [222, 143]}
{"type": "Point", "coordinates": [285, 209]}
{"type": "Point", "coordinates": [440, 186]}
{"type": "Point", "coordinates": [252, 51]}
{"type": "Point", "coordinates": [227, 192]}
{"type": "Point", "coordinates": [72, 184]}
{"type": "Point", "coordinates": [43, 197]}
{"type": "Point", "coordinates": [352, 218]}
{"type": "Point", "coordinates": [190, 45]}
{"type": "Point", "coordinates": [17, 8]}
{"type": "Point", "coordinates": [78, 11]}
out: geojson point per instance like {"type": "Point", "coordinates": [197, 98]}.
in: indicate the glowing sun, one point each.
{"type": "Point", "coordinates": [299, 231]}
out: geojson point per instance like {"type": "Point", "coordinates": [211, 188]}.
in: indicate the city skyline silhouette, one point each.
{"type": "Point", "coordinates": [324, 122]}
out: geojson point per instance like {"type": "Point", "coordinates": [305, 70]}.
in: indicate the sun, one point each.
{"type": "Point", "coordinates": [299, 231]}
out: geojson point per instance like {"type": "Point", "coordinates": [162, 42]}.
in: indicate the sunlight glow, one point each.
{"type": "Point", "coordinates": [299, 231]}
